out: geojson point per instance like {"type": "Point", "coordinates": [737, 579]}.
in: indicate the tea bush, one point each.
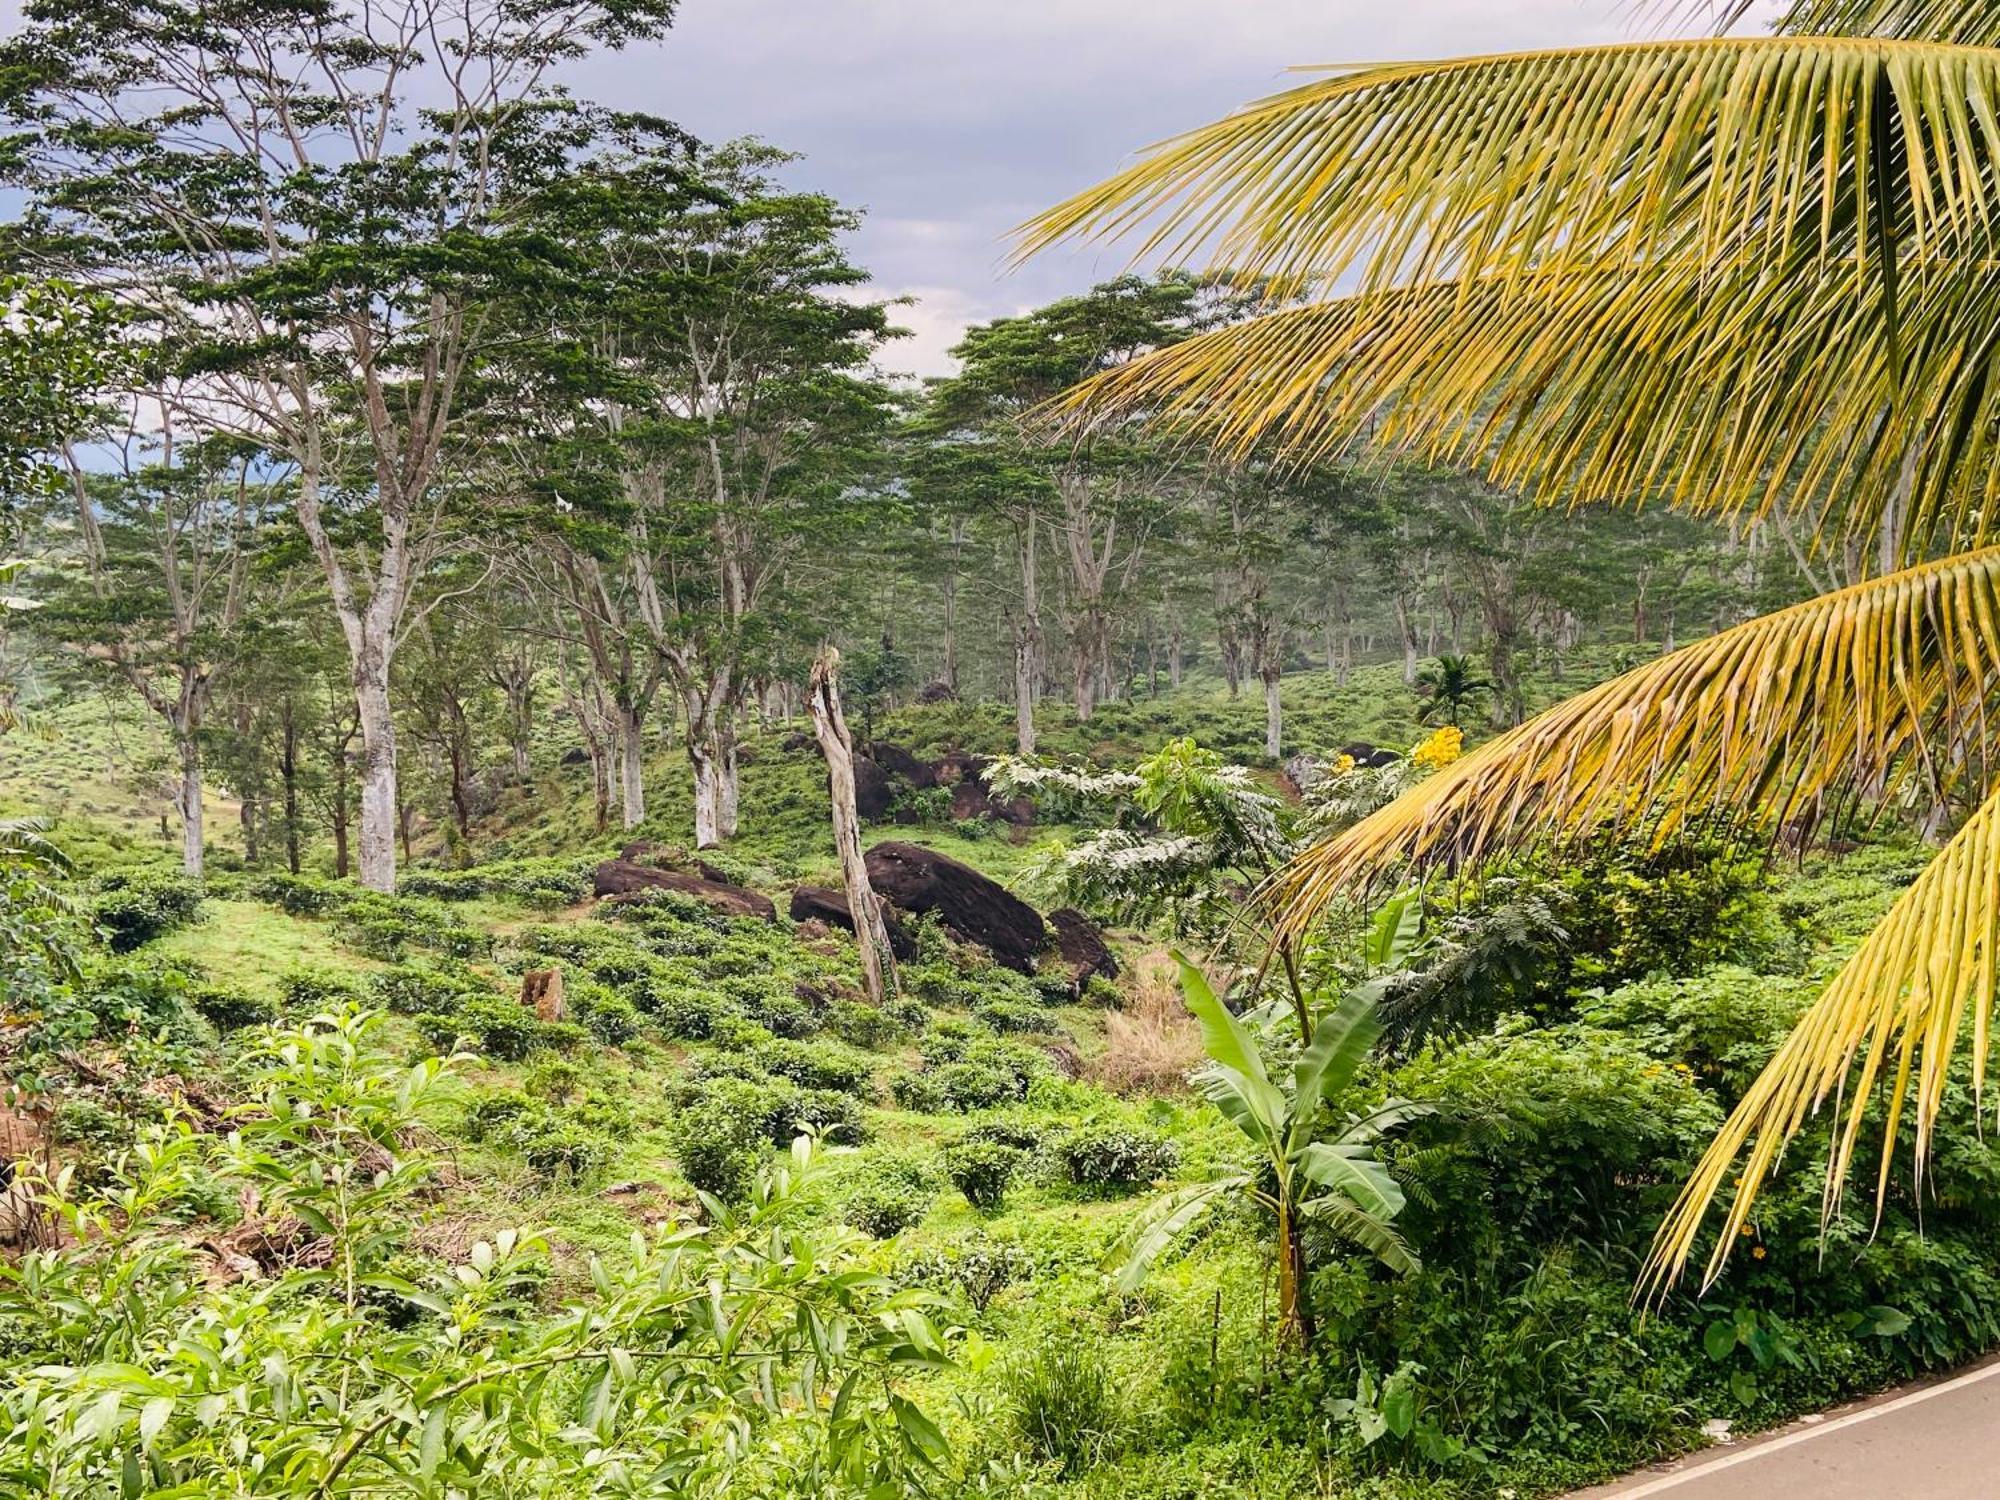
{"type": "Point", "coordinates": [981, 1171]}
{"type": "Point", "coordinates": [1103, 1156]}
{"type": "Point", "coordinates": [131, 908]}
{"type": "Point", "coordinates": [497, 1027]}
{"type": "Point", "coordinates": [890, 1194]}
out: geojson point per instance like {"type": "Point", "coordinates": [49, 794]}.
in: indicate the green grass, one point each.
{"type": "Point", "coordinates": [250, 946]}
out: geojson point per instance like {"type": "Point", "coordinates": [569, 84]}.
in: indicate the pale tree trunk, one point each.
{"type": "Point", "coordinates": [871, 932]}
{"type": "Point", "coordinates": [188, 801]}
{"type": "Point", "coordinates": [1407, 625]}
{"type": "Point", "coordinates": [727, 794]}
{"type": "Point", "coordinates": [1027, 627]}
{"type": "Point", "coordinates": [1274, 712]}
{"type": "Point", "coordinates": [631, 766]}
{"type": "Point", "coordinates": [379, 812]}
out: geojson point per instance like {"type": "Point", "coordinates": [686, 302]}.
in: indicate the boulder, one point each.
{"type": "Point", "coordinates": [938, 691]}
{"type": "Point", "coordinates": [821, 904]}
{"type": "Point", "coordinates": [972, 907]}
{"type": "Point", "coordinates": [874, 793]}
{"type": "Point", "coordinates": [795, 742]}
{"type": "Point", "coordinates": [1366, 754]}
{"type": "Point", "coordinates": [900, 762]}
{"type": "Point", "coordinates": [1082, 948]}
{"type": "Point", "coordinates": [971, 798]}
{"type": "Point", "coordinates": [955, 766]}
{"type": "Point", "coordinates": [622, 878]}
{"type": "Point", "coordinates": [576, 755]}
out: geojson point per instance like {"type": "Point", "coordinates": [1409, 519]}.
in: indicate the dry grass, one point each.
{"type": "Point", "coordinates": [1151, 1043]}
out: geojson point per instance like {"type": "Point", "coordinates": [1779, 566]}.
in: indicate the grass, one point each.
{"type": "Point", "coordinates": [250, 946]}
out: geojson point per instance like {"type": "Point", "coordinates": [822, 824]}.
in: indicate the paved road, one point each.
{"type": "Point", "coordinates": [1934, 1442]}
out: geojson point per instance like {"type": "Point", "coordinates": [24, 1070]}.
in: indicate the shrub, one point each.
{"type": "Point", "coordinates": [563, 1150]}
{"type": "Point", "coordinates": [311, 991]}
{"type": "Point", "coordinates": [979, 1267]}
{"type": "Point", "coordinates": [890, 1195]}
{"type": "Point", "coordinates": [918, 1091]}
{"type": "Point", "coordinates": [496, 1113]}
{"type": "Point", "coordinates": [861, 1025]}
{"type": "Point", "coordinates": [981, 1171]}
{"type": "Point", "coordinates": [723, 1136]}
{"type": "Point", "coordinates": [417, 989]}
{"type": "Point", "coordinates": [607, 1015]}
{"type": "Point", "coordinates": [970, 1086]}
{"type": "Point", "coordinates": [385, 927]}
{"type": "Point", "coordinates": [498, 1028]}
{"type": "Point", "coordinates": [543, 882]}
{"type": "Point", "coordinates": [1100, 1156]}
{"type": "Point", "coordinates": [779, 1011]}
{"type": "Point", "coordinates": [1151, 1045]}
{"type": "Point", "coordinates": [817, 1065]}
{"type": "Point", "coordinates": [1063, 1405]}
{"type": "Point", "coordinates": [301, 895]}
{"type": "Point", "coordinates": [909, 1013]}
{"type": "Point", "coordinates": [231, 1010]}
{"type": "Point", "coordinates": [134, 907]}
{"type": "Point", "coordinates": [689, 1013]}
{"type": "Point", "coordinates": [833, 1117]}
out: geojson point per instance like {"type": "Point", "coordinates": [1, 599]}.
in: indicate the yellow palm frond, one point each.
{"type": "Point", "coordinates": [1769, 720]}
{"type": "Point", "coordinates": [1896, 1009]}
{"type": "Point", "coordinates": [1974, 23]}
{"type": "Point", "coordinates": [1712, 388]}
{"type": "Point", "coordinates": [1486, 221]}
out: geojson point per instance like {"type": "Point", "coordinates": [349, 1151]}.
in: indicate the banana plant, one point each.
{"type": "Point", "coordinates": [1315, 1161]}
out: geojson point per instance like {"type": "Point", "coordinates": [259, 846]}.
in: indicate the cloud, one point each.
{"type": "Point", "coordinates": [949, 124]}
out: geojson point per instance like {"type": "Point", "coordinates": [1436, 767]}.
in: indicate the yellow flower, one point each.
{"type": "Point", "coordinates": [1342, 764]}
{"type": "Point", "coordinates": [1758, 1253]}
{"type": "Point", "coordinates": [1439, 749]}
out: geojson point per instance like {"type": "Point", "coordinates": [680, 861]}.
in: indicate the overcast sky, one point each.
{"type": "Point", "coordinates": [949, 122]}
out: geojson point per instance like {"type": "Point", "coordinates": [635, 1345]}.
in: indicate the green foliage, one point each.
{"type": "Point", "coordinates": [386, 927]}
{"type": "Point", "coordinates": [981, 1170]}
{"type": "Point", "coordinates": [306, 991]}
{"type": "Point", "coordinates": [723, 1135]}
{"type": "Point", "coordinates": [1064, 1406]}
{"type": "Point", "coordinates": [682, 1331]}
{"type": "Point", "coordinates": [301, 895]}
{"type": "Point", "coordinates": [131, 908]}
{"type": "Point", "coordinates": [539, 882]}
{"type": "Point", "coordinates": [1108, 1157]}
{"type": "Point", "coordinates": [497, 1027]}
{"type": "Point", "coordinates": [817, 1065]}
{"type": "Point", "coordinates": [229, 1009]}
{"type": "Point", "coordinates": [890, 1194]}
{"type": "Point", "coordinates": [417, 989]}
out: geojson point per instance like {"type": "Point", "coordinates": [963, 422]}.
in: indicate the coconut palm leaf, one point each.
{"type": "Point", "coordinates": [1715, 270]}
{"type": "Point", "coordinates": [1972, 22]}
{"type": "Point", "coordinates": [1770, 721]}
{"type": "Point", "coordinates": [1891, 1016]}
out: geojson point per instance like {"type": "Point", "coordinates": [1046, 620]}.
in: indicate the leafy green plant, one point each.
{"type": "Point", "coordinates": [131, 908]}
{"type": "Point", "coordinates": [981, 1171]}
{"type": "Point", "coordinates": [1302, 1171]}
{"type": "Point", "coordinates": [1064, 1406]}
{"type": "Point", "coordinates": [141, 1377]}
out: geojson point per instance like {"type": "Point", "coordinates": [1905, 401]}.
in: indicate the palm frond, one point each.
{"type": "Point", "coordinates": [1973, 23]}
{"type": "Point", "coordinates": [1727, 389]}
{"type": "Point", "coordinates": [1768, 721]}
{"type": "Point", "coordinates": [1894, 1014]}
{"type": "Point", "coordinates": [1709, 269]}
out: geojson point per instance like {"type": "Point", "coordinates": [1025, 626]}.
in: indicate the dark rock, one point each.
{"type": "Point", "coordinates": [972, 907]}
{"type": "Point", "coordinates": [955, 766]}
{"type": "Point", "coordinates": [794, 742]}
{"type": "Point", "coordinates": [1082, 948]}
{"type": "Point", "coordinates": [1366, 754]}
{"type": "Point", "coordinates": [818, 903]}
{"type": "Point", "coordinates": [900, 762]}
{"type": "Point", "coordinates": [621, 877]}
{"type": "Point", "coordinates": [874, 793]}
{"type": "Point", "coordinates": [970, 798]}
{"type": "Point", "coordinates": [937, 692]}
{"type": "Point", "coordinates": [639, 851]}
{"type": "Point", "coordinates": [575, 756]}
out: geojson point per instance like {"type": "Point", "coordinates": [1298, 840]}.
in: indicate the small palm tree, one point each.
{"type": "Point", "coordinates": [1751, 276]}
{"type": "Point", "coordinates": [1449, 684]}
{"type": "Point", "coordinates": [1312, 1161]}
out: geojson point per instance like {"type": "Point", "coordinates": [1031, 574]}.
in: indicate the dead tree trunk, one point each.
{"type": "Point", "coordinates": [871, 933]}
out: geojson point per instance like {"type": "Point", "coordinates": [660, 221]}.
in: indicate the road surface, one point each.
{"type": "Point", "coordinates": [1933, 1442]}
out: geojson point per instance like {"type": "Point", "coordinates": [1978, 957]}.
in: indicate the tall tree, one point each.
{"type": "Point", "coordinates": [312, 205]}
{"type": "Point", "coordinates": [158, 598]}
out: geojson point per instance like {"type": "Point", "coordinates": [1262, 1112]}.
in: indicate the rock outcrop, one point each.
{"type": "Point", "coordinates": [972, 908]}
{"type": "Point", "coordinates": [617, 878]}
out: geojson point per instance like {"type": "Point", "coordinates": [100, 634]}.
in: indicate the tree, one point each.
{"type": "Point", "coordinates": [165, 546]}
{"type": "Point", "coordinates": [727, 418]}
{"type": "Point", "coordinates": [1746, 276]}
{"type": "Point", "coordinates": [1302, 1172]}
{"type": "Point", "coordinates": [871, 933]}
{"type": "Point", "coordinates": [1447, 685]}
{"type": "Point", "coordinates": [312, 207]}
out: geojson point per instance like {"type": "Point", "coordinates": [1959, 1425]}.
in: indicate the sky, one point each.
{"type": "Point", "coordinates": [949, 123]}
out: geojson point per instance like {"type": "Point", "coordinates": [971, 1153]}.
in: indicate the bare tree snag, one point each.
{"type": "Point", "coordinates": [542, 993]}
{"type": "Point", "coordinates": [871, 933]}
